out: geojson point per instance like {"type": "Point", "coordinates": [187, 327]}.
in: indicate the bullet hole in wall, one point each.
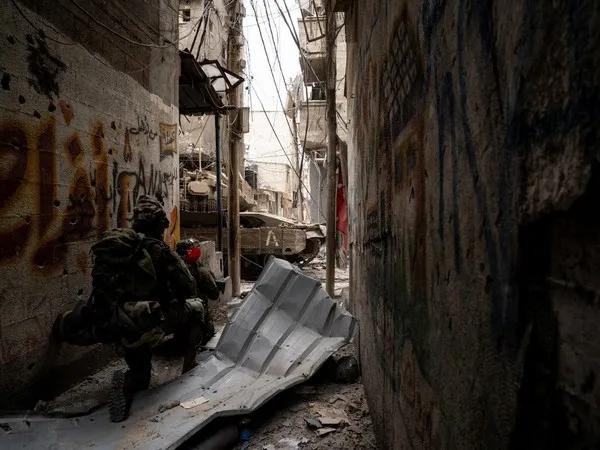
{"type": "Point", "coordinates": [488, 284]}
{"type": "Point", "coordinates": [37, 114]}
{"type": "Point", "coordinates": [112, 125]}
{"type": "Point", "coordinates": [10, 38]}
{"type": "Point", "coordinates": [51, 107]}
{"type": "Point", "coordinates": [56, 203]}
{"type": "Point", "coordinates": [21, 99]}
{"type": "Point", "coordinates": [5, 82]}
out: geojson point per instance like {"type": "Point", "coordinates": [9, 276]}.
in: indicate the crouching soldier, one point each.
{"type": "Point", "coordinates": [141, 292]}
{"type": "Point", "coordinates": [190, 251]}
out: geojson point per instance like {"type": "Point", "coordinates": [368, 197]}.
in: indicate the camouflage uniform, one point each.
{"type": "Point", "coordinates": [206, 282]}
{"type": "Point", "coordinates": [136, 308]}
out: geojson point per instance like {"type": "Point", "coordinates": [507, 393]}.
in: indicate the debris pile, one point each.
{"type": "Point", "coordinates": [281, 334]}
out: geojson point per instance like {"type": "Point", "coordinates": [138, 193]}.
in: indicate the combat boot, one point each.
{"type": "Point", "coordinates": [121, 395]}
{"type": "Point", "coordinates": [189, 359]}
{"type": "Point", "coordinates": [126, 383]}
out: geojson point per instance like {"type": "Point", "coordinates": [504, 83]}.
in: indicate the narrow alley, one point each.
{"type": "Point", "coordinates": [299, 224]}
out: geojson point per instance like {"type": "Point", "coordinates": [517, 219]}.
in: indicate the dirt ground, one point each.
{"type": "Point", "coordinates": [288, 422]}
{"type": "Point", "coordinates": [283, 423]}
{"type": "Point", "coordinates": [93, 392]}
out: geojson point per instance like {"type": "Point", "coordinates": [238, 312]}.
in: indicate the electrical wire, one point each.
{"type": "Point", "coordinates": [299, 158]}
{"type": "Point", "coordinates": [39, 30]}
{"type": "Point", "coordinates": [283, 149]}
{"type": "Point", "coordinates": [201, 132]}
{"type": "Point", "coordinates": [271, 72]}
{"type": "Point", "coordinates": [252, 262]}
{"type": "Point", "coordinates": [297, 42]}
{"type": "Point", "coordinates": [139, 69]}
{"type": "Point", "coordinates": [297, 39]}
{"type": "Point", "coordinates": [298, 174]}
{"type": "Point", "coordinates": [20, 11]}
{"type": "Point", "coordinates": [125, 38]}
{"type": "Point", "coordinates": [278, 59]}
{"type": "Point", "coordinates": [263, 18]}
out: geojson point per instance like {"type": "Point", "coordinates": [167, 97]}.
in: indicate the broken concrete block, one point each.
{"type": "Point", "coordinates": [323, 431]}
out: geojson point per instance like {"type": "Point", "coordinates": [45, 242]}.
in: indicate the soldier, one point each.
{"type": "Point", "coordinates": [141, 291]}
{"type": "Point", "coordinates": [190, 251]}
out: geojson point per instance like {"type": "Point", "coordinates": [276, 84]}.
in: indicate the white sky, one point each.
{"type": "Point", "coordinates": [258, 71]}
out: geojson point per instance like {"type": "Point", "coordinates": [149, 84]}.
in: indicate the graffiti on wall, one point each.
{"type": "Point", "coordinates": [168, 139]}
{"type": "Point", "coordinates": [31, 163]}
{"type": "Point", "coordinates": [143, 128]}
{"type": "Point", "coordinates": [422, 415]}
{"type": "Point", "coordinates": [401, 78]}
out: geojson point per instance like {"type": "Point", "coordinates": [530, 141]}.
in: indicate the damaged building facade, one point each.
{"type": "Point", "coordinates": [88, 121]}
{"type": "Point", "coordinates": [312, 106]}
{"type": "Point", "coordinates": [474, 176]}
{"type": "Point", "coordinates": [206, 29]}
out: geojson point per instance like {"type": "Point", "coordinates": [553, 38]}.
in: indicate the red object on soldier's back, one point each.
{"type": "Point", "coordinates": [193, 255]}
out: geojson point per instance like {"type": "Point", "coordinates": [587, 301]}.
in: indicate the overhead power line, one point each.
{"type": "Point", "coordinates": [283, 149]}
{"type": "Point", "coordinates": [270, 71]}
{"type": "Point", "coordinates": [125, 38]}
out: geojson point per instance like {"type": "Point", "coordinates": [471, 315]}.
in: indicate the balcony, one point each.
{"type": "Point", "coordinates": [312, 41]}
{"type": "Point", "coordinates": [314, 112]}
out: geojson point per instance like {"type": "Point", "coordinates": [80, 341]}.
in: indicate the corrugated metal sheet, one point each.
{"type": "Point", "coordinates": [280, 335]}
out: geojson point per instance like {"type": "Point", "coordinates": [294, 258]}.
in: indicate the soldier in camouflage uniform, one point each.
{"type": "Point", "coordinates": [190, 251]}
{"type": "Point", "coordinates": [141, 291]}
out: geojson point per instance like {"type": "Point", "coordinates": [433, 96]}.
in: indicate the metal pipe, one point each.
{"type": "Point", "coordinates": [318, 202]}
{"type": "Point", "coordinates": [219, 242]}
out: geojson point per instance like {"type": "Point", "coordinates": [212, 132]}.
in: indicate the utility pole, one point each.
{"type": "Point", "coordinates": [298, 165]}
{"type": "Point", "coordinates": [219, 183]}
{"type": "Point", "coordinates": [330, 29]}
{"type": "Point", "coordinates": [236, 147]}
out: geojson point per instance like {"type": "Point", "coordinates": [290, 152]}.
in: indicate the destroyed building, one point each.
{"type": "Point", "coordinates": [311, 101]}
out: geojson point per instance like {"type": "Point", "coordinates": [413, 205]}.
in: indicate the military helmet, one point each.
{"type": "Point", "coordinates": [186, 244]}
{"type": "Point", "coordinates": [149, 215]}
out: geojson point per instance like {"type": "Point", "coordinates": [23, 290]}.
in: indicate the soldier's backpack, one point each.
{"type": "Point", "coordinates": [123, 270]}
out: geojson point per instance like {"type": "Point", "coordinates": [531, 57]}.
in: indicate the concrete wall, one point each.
{"type": "Point", "coordinates": [473, 169]}
{"type": "Point", "coordinates": [87, 123]}
{"type": "Point", "coordinates": [275, 171]}
{"type": "Point", "coordinates": [318, 189]}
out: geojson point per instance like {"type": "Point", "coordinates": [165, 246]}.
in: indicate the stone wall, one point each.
{"type": "Point", "coordinates": [88, 122]}
{"type": "Point", "coordinates": [473, 179]}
